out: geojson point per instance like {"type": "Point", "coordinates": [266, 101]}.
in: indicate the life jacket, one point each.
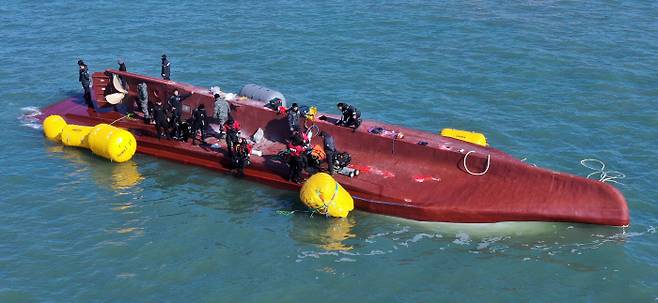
{"type": "Point", "coordinates": [305, 138]}
{"type": "Point", "coordinates": [235, 127]}
{"type": "Point", "coordinates": [318, 153]}
{"type": "Point", "coordinates": [295, 150]}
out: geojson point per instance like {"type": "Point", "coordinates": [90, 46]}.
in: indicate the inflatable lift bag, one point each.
{"type": "Point", "coordinates": [261, 93]}
{"type": "Point", "coordinates": [107, 141]}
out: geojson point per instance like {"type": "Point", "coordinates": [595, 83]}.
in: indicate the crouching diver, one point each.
{"type": "Point", "coordinates": [175, 105]}
{"type": "Point", "coordinates": [351, 116]}
{"type": "Point", "coordinates": [231, 127]}
{"type": "Point", "coordinates": [83, 77]}
{"type": "Point", "coordinates": [329, 150]}
{"type": "Point", "coordinates": [240, 157]}
{"type": "Point", "coordinates": [299, 138]}
{"type": "Point", "coordinates": [199, 123]}
{"type": "Point", "coordinates": [296, 163]}
{"type": "Point", "coordinates": [161, 120]}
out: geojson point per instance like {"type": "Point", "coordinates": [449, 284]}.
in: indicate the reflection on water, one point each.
{"type": "Point", "coordinates": [564, 244]}
{"type": "Point", "coordinates": [125, 175]}
{"type": "Point", "coordinates": [118, 176]}
{"type": "Point", "coordinates": [336, 232]}
{"type": "Point", "coordinates": [326, 233]}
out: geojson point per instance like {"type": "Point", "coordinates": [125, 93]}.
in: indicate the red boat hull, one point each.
{"type": "Point", "coordinates": [399, 176]}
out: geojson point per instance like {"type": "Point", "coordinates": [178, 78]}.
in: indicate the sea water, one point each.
{"type": "Point", "coordinates": [553, 82]}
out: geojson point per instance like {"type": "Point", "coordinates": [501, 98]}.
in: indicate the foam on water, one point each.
{"type": "Point", "coordinates": [29, 117]}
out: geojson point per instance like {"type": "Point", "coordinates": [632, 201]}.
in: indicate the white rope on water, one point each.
{"type": "Point", "coordinates": [477, 174]}
{"type": "Point", "coordinates": [599, 170]}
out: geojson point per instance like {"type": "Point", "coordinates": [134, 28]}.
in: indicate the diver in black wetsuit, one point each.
{"type": "Point", "coordinates": [240, 158]}
{"type": "Point", "coordinates": [175, 105]}
{"type": "Point", "coordinates": [199, 123]}
{"type": "Point", "coordinates": [84, 79]}
{"type": "Point", "coordinates": [161, 120]}
{"type": "Point", "coordinates": [329, 150]}
{"type": "Point", "coordinates": [232, 129]}
{"type": "Point", "coordinates": [166, 68]}
{"type": "Point", "coordinates": [293, 117]}
{"type": "Point", "coordinates": [351, 116]}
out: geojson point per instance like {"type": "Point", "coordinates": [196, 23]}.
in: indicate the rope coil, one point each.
{"type": "Point", "coordinates": [476, 174]}
{"type": "Point", "coordinates": [603, 174]}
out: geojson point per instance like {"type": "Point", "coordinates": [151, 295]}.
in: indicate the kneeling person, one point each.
{"type": "Point", "coordinates": [351, 116]}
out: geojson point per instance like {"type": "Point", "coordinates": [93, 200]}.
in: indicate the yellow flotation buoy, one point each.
{"type": "Point", "coordinates": [463, 135]}
{"type": "Point", "coordinates": [112, 143]}
{"type": "Point", "coordinates": [323, 194]}
{"type": "Point", "coordinates": [53, 126]}
{"type": "Point", "coordinates": [75, 135]}
{"type": "Point", "coordinates": [105, 140]}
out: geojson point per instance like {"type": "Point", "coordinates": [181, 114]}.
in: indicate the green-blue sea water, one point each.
{"type": "Point", "coordinates": [550, 81]}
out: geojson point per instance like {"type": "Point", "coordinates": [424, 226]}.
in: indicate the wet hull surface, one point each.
{"type": "Point", "coordinates": [399, 177]}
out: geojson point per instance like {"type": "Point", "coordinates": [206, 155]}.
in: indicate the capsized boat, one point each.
{"type": "Point", "coordinates": [405, 172]}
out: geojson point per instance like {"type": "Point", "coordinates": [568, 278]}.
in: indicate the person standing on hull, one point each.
{"type": "Point", "coordinates": [122, 65]}
{"type": "Point", "coordinates": [199, 123]}
{"type": "Point", "coordinates": [175, 105]}
{"type": "Point", "coordinates": [143, 98]}
{"type": "Point", "coordinates": [161, 121]}
{"type": "Point", "coordinates": [329, 150]}
{"type": "Point", "coordinates": [232, 129]}
{"type": "Point", "coordinates": [166, 68]}
{"type": "Point", "coordinates": [85, 81]}
{"type": "Point", "coordinates": [351, 116]}
{"type": "Point", "coordinates": [240, 158]}
{"type": "Point", "coordinates": [222, 110]}
{"type": "Point", "coordinates": [293, 117]}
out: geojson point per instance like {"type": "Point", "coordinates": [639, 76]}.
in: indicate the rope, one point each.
{"type": "Point", "coordinates": [117, 120]}
{"type": "Point", "coordinates": [325, 208]}
{"type": "Point", "coordinates": [285, 212]}
{"type": "Point", "coordinates": [603, 174]}
{"type": "Point", "coordinates": [477, 174]}
{"type": "Point", "coordinates": [310, 133]}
